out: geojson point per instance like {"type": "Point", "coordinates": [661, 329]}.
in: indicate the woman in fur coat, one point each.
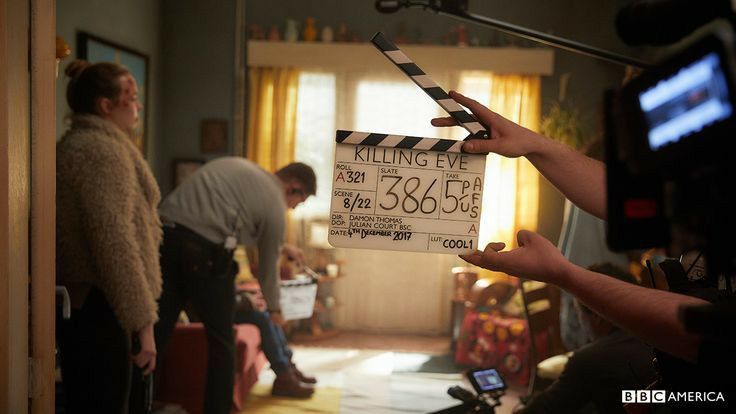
{"type": "Point", "coordinates": [108, 235]}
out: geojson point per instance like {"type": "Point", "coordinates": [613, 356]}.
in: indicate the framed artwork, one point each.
{"type": "Point", "coordinates": [95, 49]}
{"type": "Point", "coordinates": [183, 168]}
{"type": "Point", "coordinates": [213, 137]}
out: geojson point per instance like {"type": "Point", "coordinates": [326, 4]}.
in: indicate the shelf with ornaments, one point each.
{"type": "Point", "coordinates": [363, 56]}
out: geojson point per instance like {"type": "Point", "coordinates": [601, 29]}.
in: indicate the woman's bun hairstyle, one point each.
{"type": "Point", "coordinates": [89, 82]}
{"type": "Point", "coordinates": [75, 68]}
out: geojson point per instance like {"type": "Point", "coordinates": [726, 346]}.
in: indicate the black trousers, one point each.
{"type": "Point", "coordinates": [198, 272]}
{"type": "Point", "coordinates": [95, 360]}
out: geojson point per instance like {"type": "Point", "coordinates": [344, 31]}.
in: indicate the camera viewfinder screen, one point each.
{"type": "Point", "coordinates": [691, 99]}
{"type": "Point", "coordinates": [488, 380]}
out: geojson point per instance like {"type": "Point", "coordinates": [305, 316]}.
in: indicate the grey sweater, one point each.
{"type": "Point", "coordinates": [232, 196]}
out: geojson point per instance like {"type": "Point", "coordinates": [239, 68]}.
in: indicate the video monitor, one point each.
{"type": "Point", "coordinates": [684, 103]}
{"type": "Point", "coordinates": [486, 380]}
{"type": "Point", "coordinates": [679, 115]}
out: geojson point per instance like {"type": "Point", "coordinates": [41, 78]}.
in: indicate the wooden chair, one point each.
{"type": "Point", "coordinates": [487, 295]}
{"type": "Point", "coordinates": [542, 308]}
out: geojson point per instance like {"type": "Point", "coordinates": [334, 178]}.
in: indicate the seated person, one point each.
{"type": "Point", "coordinates": [597, 372]}
{"type": "Point", "coordinates": [290, 381]}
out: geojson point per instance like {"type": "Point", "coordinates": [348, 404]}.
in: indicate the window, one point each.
{"type": "Point", "coordinates": [393, 104]}
{"type": "Point", "coordinates": [315, 134]}
{"type": "Point", "coordinates": [391, 107]}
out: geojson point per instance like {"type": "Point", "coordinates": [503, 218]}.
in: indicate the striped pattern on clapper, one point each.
{"type": "Point", "coordinates": [435, 91]}
{"type": "Point", "coordinates": [398, 141]}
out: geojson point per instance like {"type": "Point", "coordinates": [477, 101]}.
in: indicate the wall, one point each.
{"type": "Point", "coordinates": [132, 23]}
{"type": "Point", "coordinates": [198, 39]}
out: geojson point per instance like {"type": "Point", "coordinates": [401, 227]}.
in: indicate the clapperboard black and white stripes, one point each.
{"type": "Point", "coordinates": [435, 91]}
{"type": "Point", "coordinates": [409, 193]}
{"type": "Point", "coordinates": [398, 141]}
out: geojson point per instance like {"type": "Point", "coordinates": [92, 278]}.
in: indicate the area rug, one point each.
{"type": "Point", "coordinates": [439, 364]}
{"type": "Point", "coordinates": [260, 401]}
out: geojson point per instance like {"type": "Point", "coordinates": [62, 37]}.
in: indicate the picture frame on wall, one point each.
{"type": "Point", "coordinates": [213, 139]}
{"type": "Point", "coordinates": [183, 168]}
{"type": "Point", "coordinates": [95, 49]}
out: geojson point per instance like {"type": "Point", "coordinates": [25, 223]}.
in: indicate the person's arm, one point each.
{"type": "Point", "coordinates": [107, 194]}
{"type": "Point", "coordinates": [146, 357]}
{"type": "Point", "coordinates": [269, 252]}
{"type": "Point", "coordinates": [578, 177]}
{"type": "Point", "coordinates": [293, 253]}
{"type": "Point", "coordinates": [649, 314]}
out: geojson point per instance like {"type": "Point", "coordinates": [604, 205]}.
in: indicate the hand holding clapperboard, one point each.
{"type": "Point", "coordinates": [396, 192]}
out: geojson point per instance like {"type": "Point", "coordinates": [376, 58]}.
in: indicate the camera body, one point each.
{"type": "Point", "coordinates": [677, 115]}
{"type": "Point", "coordinates": [668, 149]}
{"type": "Point", "coordinates": [489, 387]}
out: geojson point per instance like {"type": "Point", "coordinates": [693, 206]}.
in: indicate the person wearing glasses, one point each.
{"type": "Point", "coordinates": [224, 203]}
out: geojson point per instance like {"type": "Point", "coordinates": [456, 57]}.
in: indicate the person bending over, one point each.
{"type": "Point", "coordinates": [226, 202]}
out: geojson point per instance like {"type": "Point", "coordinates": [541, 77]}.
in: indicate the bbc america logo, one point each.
{"type": "Point", "coordinates": [643, 396]}
{"type": "Point", "coordinates": [662, 396]}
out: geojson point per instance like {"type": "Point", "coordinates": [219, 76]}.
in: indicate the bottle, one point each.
{"type": "Point", "coordinates": [273, 34]}
{"type": "Point", "coordinates": [462, 35]}
{"type": "Point", "coordinates": [256, 32]}
{"type": "Point", "coordinates": [342, 33]}
{"type": "Point", "coordinates": [327, 35]}
{"type": "Point", "coordinates": [310, 31]}
{"type": "Point", "coordinates": [292, 33]}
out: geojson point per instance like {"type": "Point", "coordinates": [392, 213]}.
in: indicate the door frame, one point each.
{"type": "Point", "coordinates": [43, 206]}
{"type": "Point", "coordinates": [27, 205]}
{"type": "Point", "coordinates": [14, 204]}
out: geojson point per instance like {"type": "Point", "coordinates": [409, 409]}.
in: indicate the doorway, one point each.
{"type": "Point", "coordinates": [27, 205]}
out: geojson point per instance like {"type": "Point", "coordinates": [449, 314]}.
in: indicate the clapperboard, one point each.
{"type": "Point", "coordinates": [297, 298]}
{"type": "Point", "coordinates": [397, 192]}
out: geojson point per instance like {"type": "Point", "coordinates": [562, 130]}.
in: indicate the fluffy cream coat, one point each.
{"type": "Point", "coordinates": [108, 229]}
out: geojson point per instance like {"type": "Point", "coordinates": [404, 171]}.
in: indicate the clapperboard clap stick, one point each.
{"type": "Point", "coordinates": [397, 192]}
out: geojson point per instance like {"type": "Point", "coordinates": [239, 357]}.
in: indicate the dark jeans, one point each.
{"type": "Point", "coordinates": [273, 339]}
{"type": "Point", "coordinates": [95, 360]}
{"type": "Point", "coordinates": [197, 272]}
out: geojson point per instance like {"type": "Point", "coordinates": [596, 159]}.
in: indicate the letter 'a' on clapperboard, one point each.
{"type": "Point", "coordinates": [397, 192]}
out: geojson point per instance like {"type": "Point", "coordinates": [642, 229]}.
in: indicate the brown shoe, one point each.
{"type": "Point", "coordinates": [288, 385]}
{"type": "Point", "coordinates": [301, 377]}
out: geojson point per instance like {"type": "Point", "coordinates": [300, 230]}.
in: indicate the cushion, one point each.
{"type": "Point", "coordinates": [552, 367]}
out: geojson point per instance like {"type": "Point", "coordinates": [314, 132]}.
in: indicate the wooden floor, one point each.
{"type": "Point", "coordinates": [372, 374]}
{"type": "Point", "coordinates": [431, 345]}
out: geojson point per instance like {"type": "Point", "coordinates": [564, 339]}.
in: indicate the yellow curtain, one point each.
{"type": "Point", "coordinates": [511, 198]}
{"type": "Point", "coordinates": [271, 135]}
{"type": "Point", "coordinates": [272, 116]}
{"type": "Point", "coordinates": [517, 98]}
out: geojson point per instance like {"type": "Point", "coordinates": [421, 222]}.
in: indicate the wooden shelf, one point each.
{"type": "Point", "coordinates": [363, 56]}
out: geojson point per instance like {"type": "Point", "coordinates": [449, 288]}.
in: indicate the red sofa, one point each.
{"type": "Point", "coordinates": [183, 370]}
